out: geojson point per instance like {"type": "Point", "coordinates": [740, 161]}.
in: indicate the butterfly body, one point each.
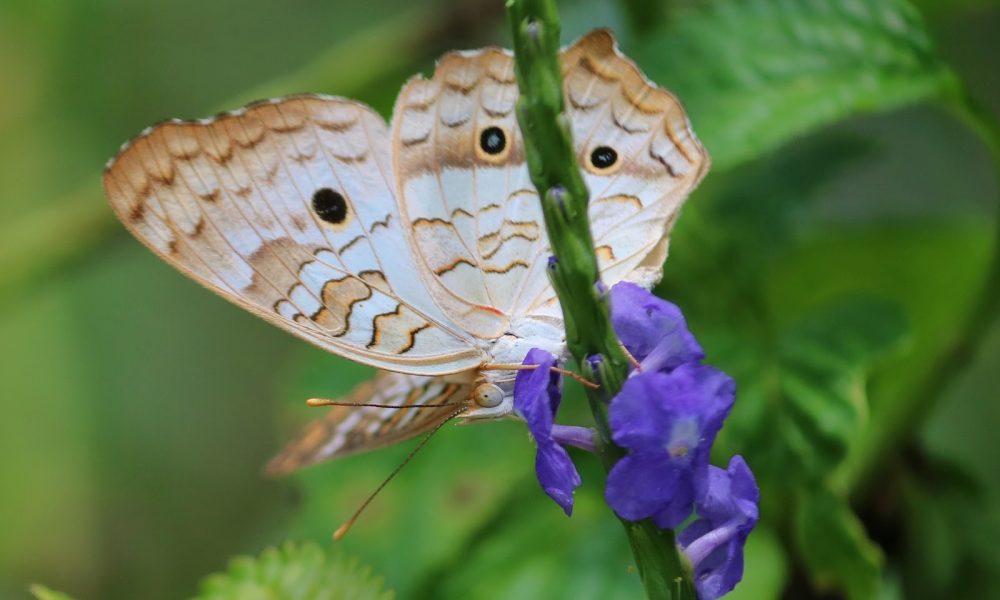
{"type": "Point", "coordinates": [417, 247]}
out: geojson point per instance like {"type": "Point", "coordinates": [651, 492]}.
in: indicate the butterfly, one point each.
{"type": "Point", "coordinates": [416, 247]}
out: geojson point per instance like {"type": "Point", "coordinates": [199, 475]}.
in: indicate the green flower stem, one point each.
{"type": "Point", "coordinates": [552, 162]}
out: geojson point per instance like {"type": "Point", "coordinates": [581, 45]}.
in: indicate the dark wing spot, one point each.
{"type": "Point", "coordinates": [603, 157]}
{"type": "Point", "coordinates": [330, 205]}
{"type": "Point", "coordinates": [492, 140]}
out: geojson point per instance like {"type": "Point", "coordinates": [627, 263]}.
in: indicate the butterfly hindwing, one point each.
{"type": "Point", "coordinates": [287, 208]}
{"type": "Point", "coordinates": [346, 430]}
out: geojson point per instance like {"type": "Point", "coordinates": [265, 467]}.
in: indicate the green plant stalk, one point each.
{"type": "Point", "coordinates": [575, 276]}
{"type": "Point", "coordinates": [899, 419]}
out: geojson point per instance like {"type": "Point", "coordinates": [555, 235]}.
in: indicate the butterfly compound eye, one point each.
{"type": "Point", "coordinates": [488, 395]}
{"type": "Point", "coordinates": [331, 206]}
{"type": "Point", "coordinates": [603, 158]}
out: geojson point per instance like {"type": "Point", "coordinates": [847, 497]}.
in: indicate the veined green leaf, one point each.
{"type": "Point", "coordinates": [294, 572]}
{"type": "Point", "coordinates": [951, 522]}
{"type": "Point", "coordinates": [835, 547]}
{"type": "Point", "coordinates": [802, 396]}
{"type": "Point", "coordinates": [756, 73]}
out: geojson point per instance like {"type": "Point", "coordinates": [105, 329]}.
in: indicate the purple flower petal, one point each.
{"type": "Point", "coordinates": [679, 507]}
{"type": "Point", "coordinates": [537, 393]}
{"type": "Point", "coordinates": [719, 573]}
{"type": "Point", "coordinates": [651, 328]}
{"type": "Point", "coordinates": [557, 474]}
{"type": "Point", "coordinates": [637, 415]}
{"type": "Point", "coordinates": [727, 513]}
{"type": "Point", "coordinates": [669, 422]}
{"type": "Point", "coordinates": [731, 493]}
{"type": "Point", "coordinates": [640, 485]}
{"type": "Point", "coordinates": [571, 435]}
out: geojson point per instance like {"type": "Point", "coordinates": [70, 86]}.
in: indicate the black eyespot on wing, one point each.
{"type": "Point", "coordinates": [492, 140]}
{"type": "Point", "coordinates": [603, 157]}
{"type": "Point", "coordinates": [330, 205]}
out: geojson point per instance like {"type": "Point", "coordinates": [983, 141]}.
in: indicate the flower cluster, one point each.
{"type": "Point", "coordinates": [666, 416]}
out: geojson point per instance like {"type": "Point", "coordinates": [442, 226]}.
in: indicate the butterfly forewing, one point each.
{"type": "Point", "coordinates": [287, 208]}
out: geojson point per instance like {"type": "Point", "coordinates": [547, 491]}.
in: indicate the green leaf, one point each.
{"type": "Point", "coordinates": [294, 572]}
{"type": "Point", "coordinates": [756, 73]}
{"type": "Point", "coordinates": [536, 552]}
{"type": "Point", "coordinates": [802, 397]}
{"type": "Point", "coordinates": [836, 550]}
{"type": "Point", "coordinates": [40, 592]}
{"type": "Point", "coordinates": [759, 203]}
{"type": "Point", "coordinates": [745, 220]}
{"type": "Point", "coordinates": [951, 522]}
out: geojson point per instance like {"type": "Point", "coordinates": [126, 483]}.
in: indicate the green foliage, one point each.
{"type": "Point", "coordinates": [756, 73]}
{"type": "Point", "coordinates": [149, 469]}
{"type": "Point", "coordinates": [835, 547]}
{"type": "Point", "coordinates": [951, 524]}
{"type": "Point", "coordinates": [293, 572]}
{"type": "Point", "coordinates": [744, 222]}
{"type": "Point", "coordinates": [532, 552]}
{"type": "Point", "coordinates": [40, 592]}
{"type": "Point", "coordinates": [802, 396]}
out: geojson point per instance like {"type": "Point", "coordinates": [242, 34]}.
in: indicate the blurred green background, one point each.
{"type": "Point", "coordinates": [839, 245]}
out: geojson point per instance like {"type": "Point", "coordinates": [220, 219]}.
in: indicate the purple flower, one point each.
{"type": "Point", "coordinates": [652, 329]}
{"type": "Point", "coordinates": [537, 393]}
{"type": "Point", "coordinates": [668, 422]}
{"type": "Point", "coordinates": [727, 513]}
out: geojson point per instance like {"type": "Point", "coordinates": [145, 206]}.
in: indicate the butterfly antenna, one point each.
{"type": "Point", "coordinates": [343, 529]}
{"type": "Point", "coordinates": [325, 402]}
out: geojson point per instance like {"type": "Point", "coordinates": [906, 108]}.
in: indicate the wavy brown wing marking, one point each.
{"type": "Point", "coordinates": [465, 189]}
{"type": "Point", "coordinates": [347, 430]}
{"type": "Point", "coordinates": [636, 197]}
{"type": "Point", "coordinates": [287, 208]}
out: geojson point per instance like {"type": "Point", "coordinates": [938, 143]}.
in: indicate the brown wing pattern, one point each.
{"type": "Point", "coordinates": [473, 214]}
{"type": "Point", "coordinates": [658, 162]}
{"type": "Point", "coordinates": [349, 430]}
{"type": "Point", "coordinates": [464, 188]}
{"type": "Point", "coordinates": [287, 208]}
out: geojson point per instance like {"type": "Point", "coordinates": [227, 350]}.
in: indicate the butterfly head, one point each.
{"type": "Point", "coordinates": [492, 397]}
